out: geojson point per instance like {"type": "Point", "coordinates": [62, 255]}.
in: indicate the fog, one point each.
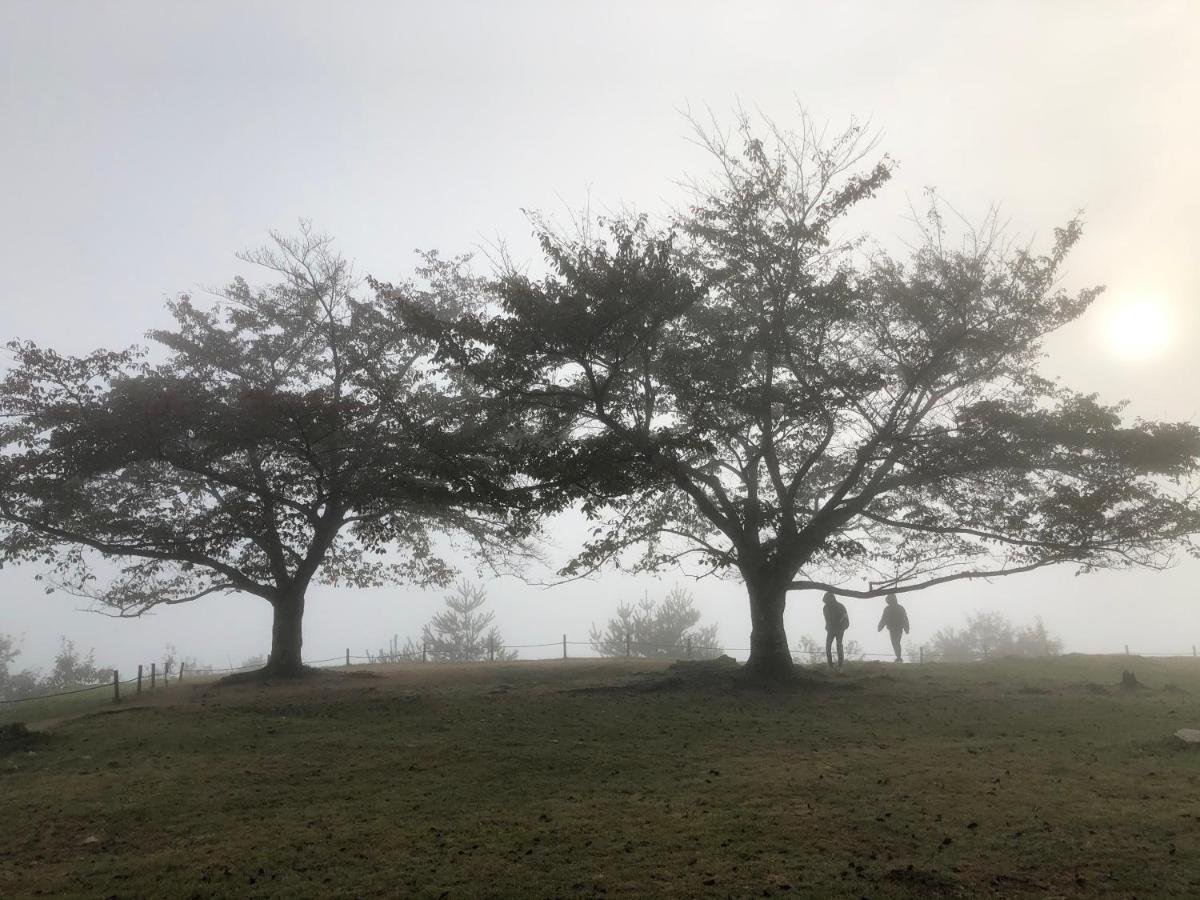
{"type": "Point", "coordinates": [144, 145]}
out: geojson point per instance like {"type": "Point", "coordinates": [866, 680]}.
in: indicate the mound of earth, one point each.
{"type": "Point", "coordinates": [700, 667]}
{"type": "Point", "coordinates": [15, 738]}
{"type": "Point", "coordinates": [725, 671]}
{"type": "Point", "coordinates": [265, 676]}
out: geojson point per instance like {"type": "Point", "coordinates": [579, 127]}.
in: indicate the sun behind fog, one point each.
{"type": "Point", "coordinates": [1138, 329]}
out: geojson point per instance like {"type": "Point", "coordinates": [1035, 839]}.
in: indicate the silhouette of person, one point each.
{"type": "Point", "coordinates": [895, 619]}
{"type": "Point", "coordinates": [837, 620]}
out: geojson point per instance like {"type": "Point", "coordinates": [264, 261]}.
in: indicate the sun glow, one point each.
{"type": "Point", "coordinates": [1138, 329]}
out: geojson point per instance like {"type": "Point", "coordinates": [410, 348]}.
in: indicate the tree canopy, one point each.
{"type": "Point", "coordinates": [749, 389]}
{"type": "Point", "coordinates": [286, 434]}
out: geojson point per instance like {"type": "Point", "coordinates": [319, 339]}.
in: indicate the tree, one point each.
{"type": "Point", "coordinates": [992, 634]}
{"type": "Point", "coordinates": [72, 669]}
{"type": "Point", "coordinates": [748, 391]}
{"type": "Point", "coordinates": [462, 632]}
{"type": "Point", "coordinates": [657, 629]}
{"type": "Point", "coordinates": [14, 684]}
{"type": "Point", "coordinates": [1035, 640]}
{"type": "Point", "coordinates": [287, 434]}
{"type": "Point", "coordinates": [174, 663]}
{"type": "Point", "coordinates": [8, 652]}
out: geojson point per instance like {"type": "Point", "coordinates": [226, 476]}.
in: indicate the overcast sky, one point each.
{"type": "Point", "coordinates": [144, 143]}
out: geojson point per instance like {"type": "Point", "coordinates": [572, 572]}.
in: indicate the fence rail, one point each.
{"type": "Point", "coordinates": [428, 654]}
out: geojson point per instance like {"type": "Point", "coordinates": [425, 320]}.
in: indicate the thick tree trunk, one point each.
{"type": "Point", "coordinates": [286, 636]}
{"type": "Point", "coordinates": [770, 657]}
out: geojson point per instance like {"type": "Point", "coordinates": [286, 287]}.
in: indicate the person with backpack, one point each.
{"type": "Point", "coordinates": [837, 620]}
{"type": "Point", "coordinates": [895, 620]}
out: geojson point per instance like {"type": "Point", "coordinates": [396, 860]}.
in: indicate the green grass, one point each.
{"type": "Point", "coordinates": [1003, 779]}
{"type": "Point", "coordinates": [58, 705]}
{"type": "Point", "coordinates": [38, 710]}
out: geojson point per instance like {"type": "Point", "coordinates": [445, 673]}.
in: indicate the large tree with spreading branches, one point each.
{"type": "Point", "coordinates": [283, 435]}
{"type": "Point", "coordinates": [748, 389]}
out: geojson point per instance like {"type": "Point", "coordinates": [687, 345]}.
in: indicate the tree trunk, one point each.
{"type": "Point", "coordinates": [286, 636]}
{"type": "Point", "coordinates": [770, 657]}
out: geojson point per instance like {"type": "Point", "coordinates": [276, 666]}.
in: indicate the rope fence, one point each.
{"type": "Point", "coordinates": [478, 653]}
{"type": "Point", "coordinates": [82, 690]}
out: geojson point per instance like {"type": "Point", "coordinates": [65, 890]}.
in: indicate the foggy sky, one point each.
{"type": "Point", "coordinates": [145, 143]}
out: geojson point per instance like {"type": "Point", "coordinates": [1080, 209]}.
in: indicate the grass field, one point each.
{"type": "Point", "coordinates": [589, 779]}
{"type": "Point", "coordinates": [54, 707]}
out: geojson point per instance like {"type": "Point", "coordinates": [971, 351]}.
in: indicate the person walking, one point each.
{"type": "Point", "coordinates": [837, 620]}
{"type": "Point", "coordinates": [895, 620]}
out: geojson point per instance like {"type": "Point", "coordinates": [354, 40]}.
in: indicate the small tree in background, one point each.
{"type": "Point", "coordinates": [72, 668]}
{"type": "Point", "coordinates": [658, 629]}
{"type": "Point", "coordinates": [394, 652]}
{"type": "Point", "coordinates": [170, 663]}
{"type": "Point", "coordinates": [462, 632]}
{"type": "Point", "coordinates": [812, 651]}
{"type": "Point", "coordinates": [175, 662]}
{"type": "Point", "coordinates": [991, 634]}
{"type": "Point", "coordinates": [8, 652]}
{"type": "Point", "coordinates": [14, 684]}
{"type": "Point", "coordinates": [1035, 640]}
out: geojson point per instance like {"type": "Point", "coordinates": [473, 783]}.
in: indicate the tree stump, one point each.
{"type": "Point", "coordinates": [1129, 681]}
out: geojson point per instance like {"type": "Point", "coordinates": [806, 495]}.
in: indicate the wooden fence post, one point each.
{"type": "Point", "coordinates": [423, 649]}
{"type": "Point", "coordinates": [1126, 649]}
{"type": "Point", "coordinates": [491, 648]}
{"type": "Point", "coordinates": [116, 687]}
{"type": "Point", "coordinates": [153, 675]}
{"type": "Point", "coordinates": [182, 665]}
{"type": "Point", "coordinates": [347, 657]}
{"type": "Point", "coordinates": [564, 646]}
{"type": "Point", "coordinates": [139, 687]}
{"type": "Point", "coordinates": [627, 643]}
{"type": "Point", "coordinates": [689, 648]}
